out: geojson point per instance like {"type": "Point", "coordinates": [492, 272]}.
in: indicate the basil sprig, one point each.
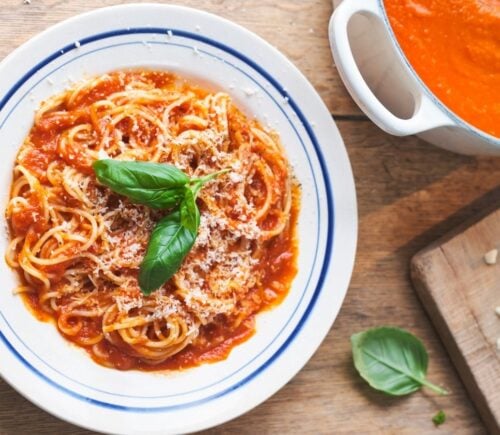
{"type": "Point", "coordinates": [392, 360]}
{"type": "Point", "coordinates": [159, 186]}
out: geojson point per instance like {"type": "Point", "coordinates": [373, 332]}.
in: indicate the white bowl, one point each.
{"type": "Point", "coordinates": [61, 378]}
{"type": "Point", "coordinates": [386, 87]}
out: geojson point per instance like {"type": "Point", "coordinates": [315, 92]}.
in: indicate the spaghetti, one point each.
{"type": "Point", "coordinates": [77, 245]}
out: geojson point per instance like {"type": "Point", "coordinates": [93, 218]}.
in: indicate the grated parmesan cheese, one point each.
{"type": "Point", "coordinates": [490, 258]}
{"type": "Point", "coordinates": [125, 303]}
{"type": "Point", "coordinates": [249, 92]}
{"type": "Point", "coordinates": [235, 177]}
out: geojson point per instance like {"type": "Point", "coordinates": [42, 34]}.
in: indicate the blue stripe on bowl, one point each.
{"type": "Point", "coordinates": [329, 204]}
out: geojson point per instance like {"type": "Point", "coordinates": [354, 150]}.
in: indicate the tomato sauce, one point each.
{"type": "Point", "coordinates": [219, 338]}
{"type": "Point", "coordinates": [216, 340]}
{"type": "Point", "coordinates": [454, 46]}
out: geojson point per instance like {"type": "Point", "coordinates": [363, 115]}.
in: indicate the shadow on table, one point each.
{"type": "Point", "coordinates": [388, 169]}
{"type": "Point", "coordinates": [465, 216]}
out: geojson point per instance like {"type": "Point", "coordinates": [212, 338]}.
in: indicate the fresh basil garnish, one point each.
{"type": "Point", "coordinates": [159, 186]}
{"type": "Point", "coordinates": [169, 244]}
{"type": "Point", "coordinates": [392, 360]}
{"type": "Point", "coordinates": [190, 216]}
{"type": "Point", "coordinates": [156, 185]}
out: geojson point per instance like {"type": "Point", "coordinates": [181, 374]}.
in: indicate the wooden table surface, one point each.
{"type": "Point", "coordinates": [409, 193]}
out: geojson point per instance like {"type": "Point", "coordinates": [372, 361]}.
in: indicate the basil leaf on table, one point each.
{"type": "Point", "coordinates": [392, 360]}
{"type": "Point", "coordinates": [157, 185]}
{"type": "Point", "coordinates": [439, 418]}
{"type": "Point", "coordinates": [169, 244]}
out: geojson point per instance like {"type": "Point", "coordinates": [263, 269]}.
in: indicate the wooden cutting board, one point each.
{"type": "Point", "coordinates": [460, 292]}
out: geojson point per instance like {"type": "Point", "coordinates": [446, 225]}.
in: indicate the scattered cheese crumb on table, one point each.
{"type": "Point", "coordinates": [491, 257]}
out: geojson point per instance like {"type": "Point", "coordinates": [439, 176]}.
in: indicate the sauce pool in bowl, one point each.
{"type": "Point", "coordinates": [454, 46]}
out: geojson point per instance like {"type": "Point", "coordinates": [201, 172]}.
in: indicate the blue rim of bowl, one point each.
{"type": "Point", "coordinates": [462, 123]}
{"type": "Point", "coordinates": [327, 186]}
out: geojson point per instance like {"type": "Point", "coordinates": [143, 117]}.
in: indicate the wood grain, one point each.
{"type": "Point", "coordinates": [460, 292]}
{"type": "Point", "coordinates": [409, 194]}
{"type": "Point", "coordinates": [297, 28]}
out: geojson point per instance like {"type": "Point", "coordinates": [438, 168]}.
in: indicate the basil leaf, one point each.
{"type": "Point", "coordinates": [391, 360]}
{"type": "Point", "coordinates": [156, 185]}
{"type": "Point", "coordinates": [439, 418]}
{"type": "Point", "coordinates": [169, 244]}
{"type": "Point", "coordinates": [190, 215]}
{"type": "Point", "coordinates": [159, 186]}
